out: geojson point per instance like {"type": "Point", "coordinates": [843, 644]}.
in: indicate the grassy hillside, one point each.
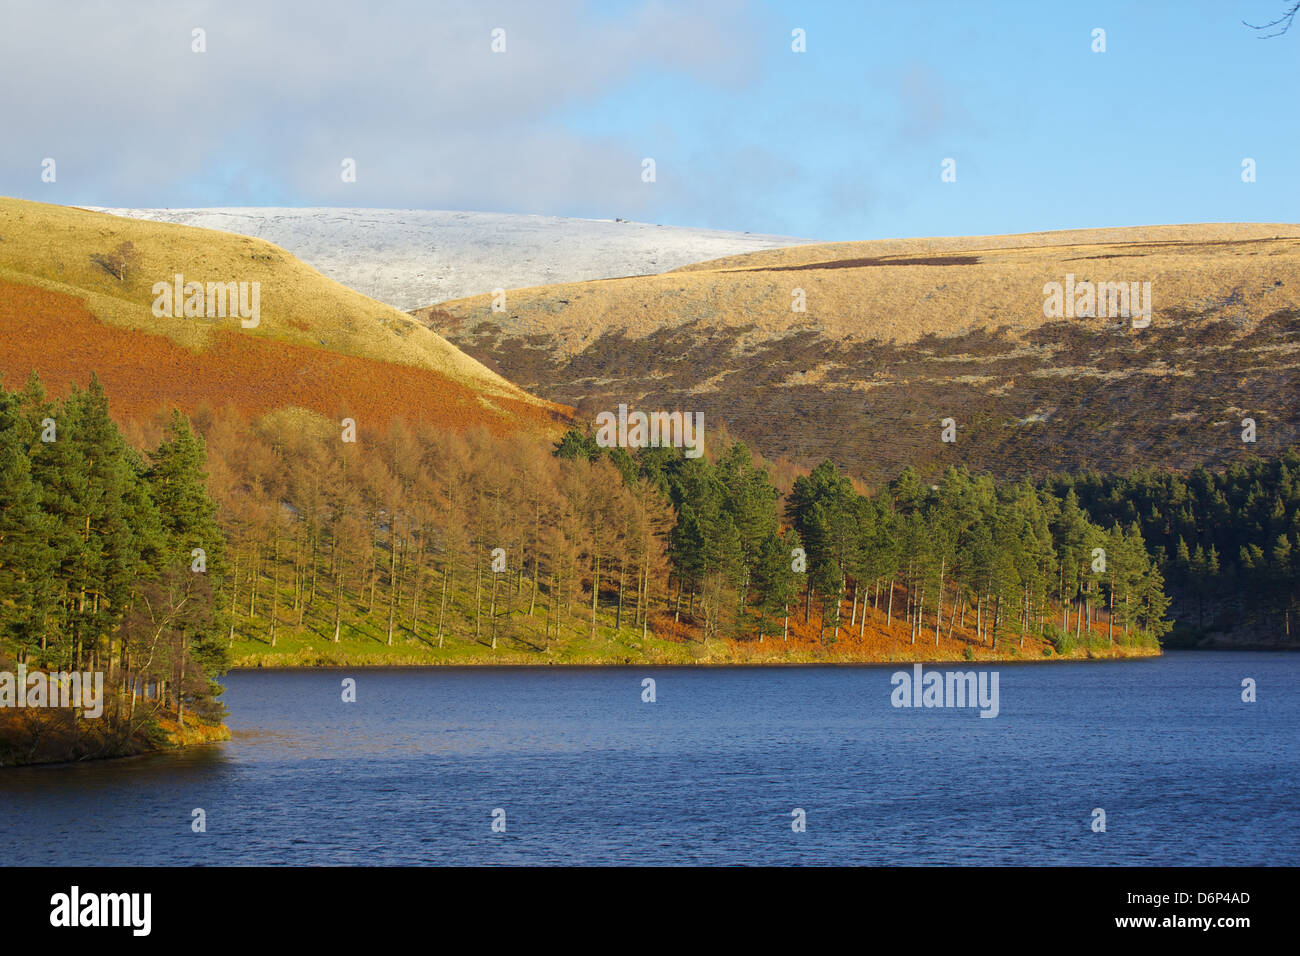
{"type": "Point", "coordinates": [522, 639]}
{"type": "Point", "coordinates": [900, 334]}
{"type": "Point", "coordinates": [66, 311]}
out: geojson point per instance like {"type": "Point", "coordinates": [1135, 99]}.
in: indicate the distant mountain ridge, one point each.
{"type": "Point", "coordinates": [409, 258]}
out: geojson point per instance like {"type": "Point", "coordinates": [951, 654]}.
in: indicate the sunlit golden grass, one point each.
{"type": "Point", "coordinates": [901, 290]}
{"type": "Point", "coordinates": [51, 248]}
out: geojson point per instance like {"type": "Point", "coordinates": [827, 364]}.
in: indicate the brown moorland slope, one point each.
{"type": "Point", "coordinates": [143, 372]}
{"type": "Point", "coordinates": [72, 303]}
{"type": "Point", "coordinates": [900, 334]}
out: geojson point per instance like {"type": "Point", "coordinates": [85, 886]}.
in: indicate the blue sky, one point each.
{"type": "Point", "coordinates": [844, 141]}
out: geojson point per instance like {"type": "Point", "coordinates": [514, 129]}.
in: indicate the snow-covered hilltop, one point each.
{"type": "Point", "coordinates": [411, 258]}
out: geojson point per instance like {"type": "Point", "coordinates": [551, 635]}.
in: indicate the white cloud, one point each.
{"type": "Point", "coordinates": [285, 91]}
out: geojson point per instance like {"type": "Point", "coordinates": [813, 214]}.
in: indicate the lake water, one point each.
{"type": "Point", "coordinates": [587, 773]}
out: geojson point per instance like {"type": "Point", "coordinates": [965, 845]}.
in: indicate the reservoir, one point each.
{"type": "Point", "coordinates": [581, 770]}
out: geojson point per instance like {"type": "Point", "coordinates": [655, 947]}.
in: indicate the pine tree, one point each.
{"type": "Point", "coordinates": [193, 561]}
{"type": "Point", "coordinates": [776, 582]}
{"type": "Point", "coordinates": [27, 555]}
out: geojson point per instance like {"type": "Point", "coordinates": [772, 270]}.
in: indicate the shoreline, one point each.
{"type": "Point", "coordinates": [59, 751]}
{"type": "Point", "coordinates": [316, 661]}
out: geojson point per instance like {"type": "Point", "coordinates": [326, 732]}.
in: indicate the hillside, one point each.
{"type": "Point", "coordinates": [524, 640]}
{"type": "Point", "coordinates": [77, 295]}
{"type": "Point", "coordinates": [900, 334]}
{"type": "Point", "coordinates": [411, 257]}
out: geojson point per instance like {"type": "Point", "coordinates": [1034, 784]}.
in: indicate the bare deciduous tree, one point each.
{"type": "Point", "coordinates": [119, 262]}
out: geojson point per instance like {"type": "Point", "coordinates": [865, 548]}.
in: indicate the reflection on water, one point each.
{"type": "Point", "coordinates": [140, 771]}
{"type": "Point", "coordinates": [588, 773]}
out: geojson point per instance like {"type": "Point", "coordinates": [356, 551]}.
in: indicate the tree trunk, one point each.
{"type": "Point", "coordinates": [1110, 614]}
{"type": "Point", "coordinates": [645, 613]}
{"type": "Point", "coordinates": [1025, 614]}
{"type": "Point", "coordinates": [938, 609]}
{"type": "Point", "coordinates": [442, 608]}
{"type": "Point", "coordinates": [312, 598]}
{"type": "Point", "coordinates": [618, 617]}
{"type": "Point", "coordinates": [920, 611]}
{"type": "Point", "coordinates": [338, 604]}
{"type": "Point", "coordinates": [234, 591]}
{"type": "Point", "coordinates": [492, 609]}
{"type": "Point", "coordinates": [392, 578]}
{"type": "Point", "coordinates": [595, 593]}
{"type": "Point", "coordinates": [252, 596]}
{"type": "Point", "coordinates": [997, 616]}
{"type": "Point", "coordinates": [275, 585]}
{"type": "Point", "coordinates": [478, 592]}
{"type": "Point", "coordinates": [532, 600]}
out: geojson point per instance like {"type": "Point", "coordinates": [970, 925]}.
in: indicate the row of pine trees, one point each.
{"type": "Point", "coordinates": [1010, 558]}
{"type": "Point", "coordinates": [1229, 541]}
{"type": "Point", "coordinates": [109, 559]}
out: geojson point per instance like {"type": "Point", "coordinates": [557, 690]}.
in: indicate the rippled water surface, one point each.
{"type": "Point", "coordinates": [587, 773]}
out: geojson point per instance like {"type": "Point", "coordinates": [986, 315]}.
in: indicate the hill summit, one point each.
{"type": "Point", "coordinates": [161, 312]}
{"type": "Point", "coordinates": [860, 351]}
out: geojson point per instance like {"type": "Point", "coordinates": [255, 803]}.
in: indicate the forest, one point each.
{"type": "Point", "coordinates": [1229, 541]}
{"type": "Point", "coordinates": [110, 561]}
{"type": "Point", "coordinates": [160, 552]}
{"type": "Point", "coordinates": [1013, 557]}
{"type": "Point", "coordinates": [420, 540]}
